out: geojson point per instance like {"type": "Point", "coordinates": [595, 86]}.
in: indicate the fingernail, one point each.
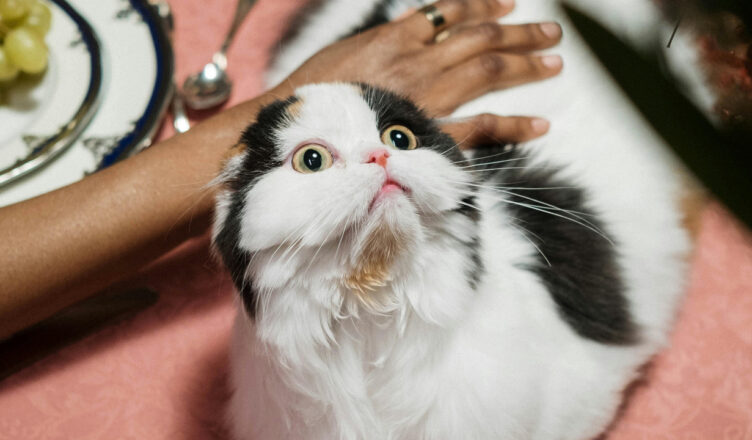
{"type": "Point", "coordinates": [552, 61]}
{"type": "Point", "coordinates": [539, 125]}
{"type": "Point", "coordinates": [551, 30]}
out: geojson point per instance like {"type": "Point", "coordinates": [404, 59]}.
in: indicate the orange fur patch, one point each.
{"type": "Point", "coordinates": [380, 250]}
{"type": "Point", "coordinates": [692, 203]}
{"type": "Point", "coordinates": [235, 150]}
{"type": "Point", "coordinates": [293, 110]}
{"type": "Point", "coordinates": [693, 199]}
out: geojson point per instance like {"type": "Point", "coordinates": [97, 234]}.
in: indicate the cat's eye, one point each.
{"type": "Point", "coordinates": [399, 137]}
{"type": "Point", "coordinates": [311, 158]}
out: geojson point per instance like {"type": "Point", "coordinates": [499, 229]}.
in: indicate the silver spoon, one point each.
{"type": "Point", "coordinates": [179, 119]}
{"type": "Point", "coordinates": [212, 86]}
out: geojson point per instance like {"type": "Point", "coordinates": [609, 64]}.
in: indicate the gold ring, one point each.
{"type": "Point", "coordinates": [434, 16]}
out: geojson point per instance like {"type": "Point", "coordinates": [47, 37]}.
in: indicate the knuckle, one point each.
{"type": "Point", "coordinates": [486, 122]}
{"type": "Point", "coordinates": [404, 72]}
{"type": "Point", "coordinates": [532, 33]}
{"type": "Point", "coordinates": [461, 9]}
{"type": "Point", "coordinates": [488, 32]}
{"type": "Point", "coordinates": [492, 65]}
{"type": "Point", "coordinates": [522, 126]}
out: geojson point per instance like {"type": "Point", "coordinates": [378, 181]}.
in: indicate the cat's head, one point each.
{"type": "Point", "coordinates": [340, 182]}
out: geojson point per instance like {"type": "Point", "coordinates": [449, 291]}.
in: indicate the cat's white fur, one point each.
{"type": "Point", "coordinates": [429, 359]}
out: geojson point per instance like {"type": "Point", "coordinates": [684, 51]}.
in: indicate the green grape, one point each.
{"type": "Point", "coordinates": [12, 10]}
{"type": "Point", "coordinates": [26, 50]}
{"type": "Point", "coordinates": [8, 71]}
{"type": "Point", "coordinates": [38, 19]}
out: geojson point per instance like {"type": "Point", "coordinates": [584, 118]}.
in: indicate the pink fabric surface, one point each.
{"type": "Point", "coordinates": [161, 375]}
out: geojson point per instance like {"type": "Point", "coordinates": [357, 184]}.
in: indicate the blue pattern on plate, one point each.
{"type": "Point", "coordinates": [144, 126]}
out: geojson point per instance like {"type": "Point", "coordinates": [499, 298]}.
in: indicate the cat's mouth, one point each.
{"type": "Point", "coordinates": [390, 188]}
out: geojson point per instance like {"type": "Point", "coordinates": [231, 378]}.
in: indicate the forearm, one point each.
{"type": "Point", "coordinates": [65, 245]}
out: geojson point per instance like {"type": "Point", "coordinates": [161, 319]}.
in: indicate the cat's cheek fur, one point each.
{"type": "Point", "coordinates": [435, 185]}
{"type": "Point", "coordinates": [305, 209]}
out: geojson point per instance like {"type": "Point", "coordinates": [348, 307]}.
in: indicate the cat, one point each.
{"type": "Point", "coordinates": [391, 286]}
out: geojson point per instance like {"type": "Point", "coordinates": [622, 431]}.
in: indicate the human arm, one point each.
{"type": "Point", "coordinates": [68, 244]}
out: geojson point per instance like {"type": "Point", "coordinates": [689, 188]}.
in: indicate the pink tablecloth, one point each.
{"type": "Point", "coordinates": [161, 375]}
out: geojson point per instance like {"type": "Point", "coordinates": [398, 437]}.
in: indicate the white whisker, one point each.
{"type": "Point", "coordinates": [525, 233]}
{"type": "Point", "coordinates": [550, 210]}
{"type": "Point", "coordinates": [470, 159]}
{"type": "Point", "coordinates": [505, 190]}
{"type": "Point", "coordinates": [492, 163]}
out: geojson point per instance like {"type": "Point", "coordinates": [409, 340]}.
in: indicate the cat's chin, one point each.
{"type": "Point", "coordinates": [388, 194]}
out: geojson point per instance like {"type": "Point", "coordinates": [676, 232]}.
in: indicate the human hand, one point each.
{"type": "Point", "coordinates": [440, 69]}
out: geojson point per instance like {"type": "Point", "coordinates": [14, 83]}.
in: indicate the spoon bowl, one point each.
{"type": "Point", "coordinates": [211, 86]}
{"type": "Point", "coordinates": [208, 88]}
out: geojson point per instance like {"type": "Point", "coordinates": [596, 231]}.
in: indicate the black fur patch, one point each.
{"type": "Point", "coordinates": [260, 158]}
{"type": "Point", "coordinates": [579, 268]}
{"type": "Point", "coordinates": [391, 108]}
{"type": "Point", "coordinates": [235, 259]}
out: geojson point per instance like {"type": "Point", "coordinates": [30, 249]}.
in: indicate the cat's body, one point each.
{"type": "Point", "coordinates": [513, 296]}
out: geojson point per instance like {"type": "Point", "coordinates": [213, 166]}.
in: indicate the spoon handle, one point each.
{"type": "Point", "coordinates": [241, 10]}
{"type": "Point", "coordinates": [179, 119]}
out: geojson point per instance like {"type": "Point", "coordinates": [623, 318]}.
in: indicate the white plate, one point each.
{"type": "Point", "coordinates": [43, 114]}
{"type": "Point", "coordinates": [136, 75]}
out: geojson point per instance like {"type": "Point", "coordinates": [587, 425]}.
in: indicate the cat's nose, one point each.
{"type": "Point", "coordinates": [378, 157]}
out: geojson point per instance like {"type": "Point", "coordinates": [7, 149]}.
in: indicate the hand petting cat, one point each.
{"type": "Point", "coordinates": [442, 68]}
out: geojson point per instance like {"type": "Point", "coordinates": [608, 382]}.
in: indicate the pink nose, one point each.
{"type": "Point", "coordinates": [378, 157]}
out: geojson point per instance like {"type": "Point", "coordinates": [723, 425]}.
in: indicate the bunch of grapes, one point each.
{"type": "Point", "coordinates": [23, 25]}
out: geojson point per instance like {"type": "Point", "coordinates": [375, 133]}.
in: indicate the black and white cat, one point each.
{"type": "Point", "coordinates": [392, 287]}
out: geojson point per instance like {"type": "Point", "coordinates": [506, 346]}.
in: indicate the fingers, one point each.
{"type": "Point", "coordinates": [468, 40]}
{"type": "Point", "coordinates": [487, 72]}
{"type": "Point", "coordinates": [492, 129]}
{"type": "Point", "coordinates": [454, 12]}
